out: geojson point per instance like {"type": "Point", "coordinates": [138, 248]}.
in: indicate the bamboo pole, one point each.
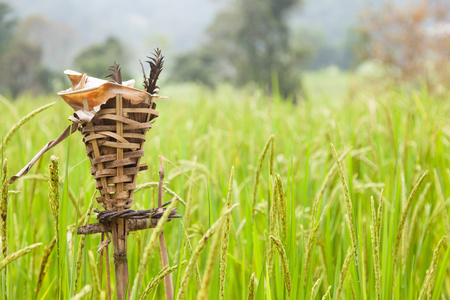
{"type": "Point", "coordinates": [118, 225]}
{"type": "Point", "coordinates": [168, 283]}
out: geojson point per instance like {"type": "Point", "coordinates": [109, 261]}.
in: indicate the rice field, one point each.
{"type": "Point", "coordinates": [343, 196]}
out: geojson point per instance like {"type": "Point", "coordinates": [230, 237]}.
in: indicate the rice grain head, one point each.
{"type": "Point", "coordinates": [348, 202]}
{"type": "Point", "coordinates": [158, 278]}
{"type": "Point", "coordinates": [16, 255]}
{"type": "Point", "coordinates": [344, 272]}
{"type": "Point", "coordinates": [251, 287]}
{"type": "Point", "coordinates": [53, 196]}
{"type": "Point", "coordinates": [327, 293]}
{"type": "Point", "coordinates": [43, 267]}
{"type": "Point", "coordinates": [401, 226]}
{"type": "Point", "coordinates": [210, 264]}
{"type": "Point", "coordinates": [315, 289]}
{"type": "Point", "coordinates": [258, 171]}
{"type": "Point", "coordinates": [19, 124]}
{"type": "Point", "coordinates": [284, 262]}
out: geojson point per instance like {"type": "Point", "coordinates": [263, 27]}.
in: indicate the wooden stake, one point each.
{"type": "Point", "coordinates": [168, 283]}
{"type": "Point", "coordinates": [118, 226]}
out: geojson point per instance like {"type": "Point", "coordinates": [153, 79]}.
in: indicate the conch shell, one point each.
{"type": "Point", "coordinates": [98, 91]}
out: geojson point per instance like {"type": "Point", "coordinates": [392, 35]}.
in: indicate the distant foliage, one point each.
{"type": "Point", "coordinates": [7, 24]}
{"type": "Point", "coordinates": [409, 39]}
{"type": "Point", "coordinates": [248, 43]}
{"type": "Point", "coordinates": [95, 59]}
{"type": "Point", "coordinates": [21, 54]}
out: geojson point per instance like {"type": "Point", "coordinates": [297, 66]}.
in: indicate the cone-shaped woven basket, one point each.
{"type": "Point", "coordinates": [114, 142]}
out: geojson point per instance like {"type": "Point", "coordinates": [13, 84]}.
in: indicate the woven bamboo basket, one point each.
{"type": "Point", "coordinates": [114, 141]}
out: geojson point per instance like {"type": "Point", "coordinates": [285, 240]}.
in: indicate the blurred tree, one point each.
{"type": "Point", "coordinates": [404, 39]}
{"type": "Point", "coordinates": [96, 59]}
{"type": "Point", "coordinates": [56, 39]}
{"type": "Point", "coordinates": [250, 42]}
{"type": "Point", "coordinates": [24, 71]}
{"type": "Point", "coordinates": [20, 59]}
{"type": "Point", "coordinates": [7, 24]}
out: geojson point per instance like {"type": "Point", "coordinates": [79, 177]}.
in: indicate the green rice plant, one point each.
{"type": "Point", "coordinates": [150, 248]}
{"type": "Point", "coordinates": [19, 124]}
{"type": "Point", "coordinates": [225, 240]}
{"type": "Point", "coordinates": [158, 278]}
{"type": "Point", "coordinates": [16, 255]}
{"type": "Point", "coordinates": [200, 247]}
{"type": "Point", "coordinates": [394, 136]}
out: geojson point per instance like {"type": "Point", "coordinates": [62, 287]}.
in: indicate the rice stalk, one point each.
{"type": "Point", "coordinates": [284, 263]}
{"type": "Point", "coordinates": [189, 245]}
{"type": "Point", "coordinates": [348, 202]}
{"type": "Point", "coordinates": [95, 277]}
{"type": "Point", "coordinates": [441, 199]}
{"type": "Point", "coordinates": [147, 185]}
{"type": "Point", "coordinates": [190, 196]}
{"type": "Point", "coordinates": [416, 211]}
{"type": "Point", "coordinates": [428, 285]}
{"type": "Point", "coordinates": [251, 287]}
{"type": "Point", "coordinates": [150, 248]}
{"type": "Point", "coordinates": [401, 226]}
{"type": "Point", "coordinates": [157, 279]}
{"type": "Point", "coordinates": [43, 267]}
{"type": "Point", "coordinates": [344, 272]}
{"type": "Point", "coordinates": [16, 255]}
{"type": "Point", "coordinates": [258, 170]}
{"type": "Point", "coordinates": [81, 246]}
{"type": "Point", "coordinates": [84, 291]}
{"type": "Point", "coordinates": [3, 220]}
{"type": "Point", "coordinates": [315, 289]}
{"type": "Point", "coordinates": [327, 293]}
{"type": "Point", "coordinates": [309, 248]}
{"type": "Point", "coordinates": [19, 124]}
{"type": "Point", "coordinates": [198, 250]}
{"type": "Point", "coordinates": [211, 262]}
{"type": "Point", "coordinates": [226, 237]}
